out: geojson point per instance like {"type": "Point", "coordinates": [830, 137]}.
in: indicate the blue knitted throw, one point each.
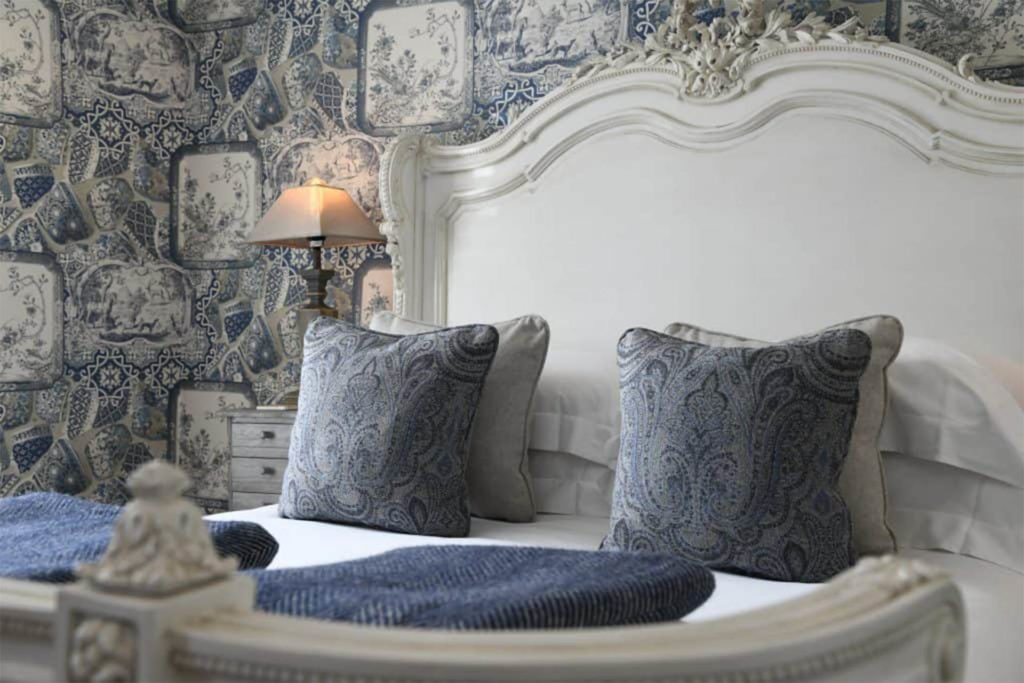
{"type": "Point", "coordinates": [490, 587]}
{"type": "Point", "coordinates": [44, 535]}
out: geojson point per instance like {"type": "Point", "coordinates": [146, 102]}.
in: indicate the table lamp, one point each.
{"type": "Point", "coordinates": [314, 216]}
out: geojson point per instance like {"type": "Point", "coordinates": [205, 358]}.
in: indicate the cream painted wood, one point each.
{"type": "Point", "coordinates": [241, 500]}
{"type": "Point", "coordinates": [263, 434]}
{"type": "Point", "coordinates": [655, 187]}
{"type": "Point", "coordinates": [257, 475]}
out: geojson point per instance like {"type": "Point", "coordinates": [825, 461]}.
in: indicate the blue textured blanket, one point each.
{"type": "Point", "coordinates": [490, 587]}
{"type": "Point", "coordinates": [44, 535]}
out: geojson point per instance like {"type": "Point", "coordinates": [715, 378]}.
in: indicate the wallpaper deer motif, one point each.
{"type": "Point", "coordinates": [139, 141]}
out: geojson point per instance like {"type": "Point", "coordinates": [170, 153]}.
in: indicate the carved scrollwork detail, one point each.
{"type": "Point", "coordinates": [405, 144]}
{"type": "Point", "coordinates": [391, 248]}
{"type": "Point", "coordinates": [102, 650]}
{"type": "Point", "coordinates": [160, 543]}
{"type": "Point", "coordinates": [710, 58]}
{"type": "Point", "coordinates": [965, 67]}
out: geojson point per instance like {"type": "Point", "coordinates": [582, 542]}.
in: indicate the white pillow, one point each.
{"type": "Point", "coordinates": [576, 407]}
{"type": "Point", "coordinates": [937, 506]}
{"type": "Point", "coordinates": [565, 484]}
{"type": "Point", "coordinates": [946, 407]}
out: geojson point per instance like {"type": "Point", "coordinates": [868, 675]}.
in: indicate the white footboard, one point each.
{"type": "Point", "coordinates": [180, 614]}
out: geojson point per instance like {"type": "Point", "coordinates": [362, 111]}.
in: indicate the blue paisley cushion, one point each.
{"type": "Point", "coordinates": [498, 473]}
{"type": "Point", "coordinates": [731, 456]}
{"type": "Point", "coordinates": [382, 430]}
{"type": "Point", "coordinates": [861, 482]}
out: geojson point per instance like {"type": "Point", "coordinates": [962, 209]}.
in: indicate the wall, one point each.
{"type": "Point", "coordinates": [141, 140]}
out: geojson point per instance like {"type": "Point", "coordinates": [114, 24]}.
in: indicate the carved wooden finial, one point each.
{"type": "Point", "coordinates": [160, 544]}
{"type": "Point", "coordinates": [158, 480]}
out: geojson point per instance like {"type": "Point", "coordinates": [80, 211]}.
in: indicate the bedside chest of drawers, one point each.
{"type": "Point", "coordinates": [259, 454]}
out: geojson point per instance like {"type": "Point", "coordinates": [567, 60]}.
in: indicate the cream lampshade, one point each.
{"type": "Point", "coordinates": [315, 211]}
{"type": "Point", "coordinates": [314, 216]}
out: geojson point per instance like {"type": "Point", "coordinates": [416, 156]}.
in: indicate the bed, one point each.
{"type": "Point", "coordinates": [867, 176]}
{"type": "Point", "coordinates": [992, 594]}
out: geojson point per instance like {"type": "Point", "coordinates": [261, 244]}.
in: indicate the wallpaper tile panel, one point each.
{"type": "Point", "coordinates": [416, 65]}
{"type": "Point", "coordinates": [207, 15]}
{"type": "Point", "coordinates": [215, 204]}
{"type": "Point", "coordinates": [525, 49]}
{"type": "Point", "coordinates": [31, 328]}
{"type": "Point", "coordinates": [153, 318]}
{"type": "Point", "coordinates": [30, 70]}
{"type": "Point", "coordinates": [200, 436]}
{"type": "Point", "coordinates": [992, 30]}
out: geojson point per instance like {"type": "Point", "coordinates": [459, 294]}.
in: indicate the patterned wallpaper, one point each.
{"type": "Point", "coordinates": [141, 139]}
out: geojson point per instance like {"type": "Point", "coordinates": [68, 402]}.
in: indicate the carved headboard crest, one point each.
{"type": "Point", "coordinates": [710, 58]}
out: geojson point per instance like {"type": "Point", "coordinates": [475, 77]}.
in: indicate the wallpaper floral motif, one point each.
{"type": "Point", "coordinates": [140, 140]}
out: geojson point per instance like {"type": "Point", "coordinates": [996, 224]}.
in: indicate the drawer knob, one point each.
{"type": "Point", "coordinates": [266, 434]}
{"type": "Point", "coordinates": [269, 471]}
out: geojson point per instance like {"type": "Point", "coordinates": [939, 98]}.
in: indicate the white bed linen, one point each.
{"type": "Point", "coordinates": [994, 596]}
{"type": "Point", "coordinates": [947, 408]}
{"type": "Point", "coordinates": [934, 506]}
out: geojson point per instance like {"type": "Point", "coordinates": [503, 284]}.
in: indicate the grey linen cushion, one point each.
{"type": "Point", "coordinates": [862, 482]}
{"type": "Point", "coordinates": [730, 456]}
{"type": "Point", "coordinates": [500, 486]}
{"type": "Point", "coordinates": [381, 434]}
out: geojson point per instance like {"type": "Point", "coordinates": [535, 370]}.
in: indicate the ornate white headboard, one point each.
{"type": "Point", "coordinates": [756, 176]}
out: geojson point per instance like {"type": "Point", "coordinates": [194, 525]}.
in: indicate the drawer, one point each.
{"type": "Point", "coordinates": [246, 501]}
{"type": "Point", "coordinates": [261, 435]}
{"type": "Point", "coordinates": [257, 475]}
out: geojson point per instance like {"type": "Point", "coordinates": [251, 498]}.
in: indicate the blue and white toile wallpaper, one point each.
{"type": "Point", "coordinates": [141, 139]}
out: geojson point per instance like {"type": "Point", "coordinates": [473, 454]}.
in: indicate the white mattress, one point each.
{"type": "Point", "coordinates": [994, 596]}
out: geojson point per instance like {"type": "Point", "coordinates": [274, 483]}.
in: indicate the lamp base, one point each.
{"type": "Point", "coordinates": [316, 290]}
